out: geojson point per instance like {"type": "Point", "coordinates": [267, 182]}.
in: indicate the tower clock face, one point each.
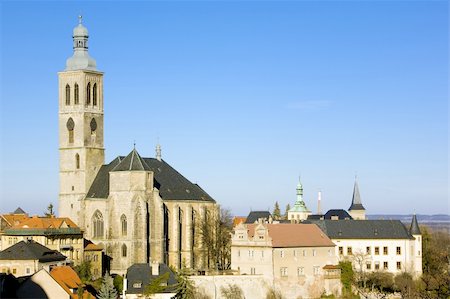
{"type": "Point", "coordinates": [70, 124]}
{"type": "Point", "coordinates": [93, 125]}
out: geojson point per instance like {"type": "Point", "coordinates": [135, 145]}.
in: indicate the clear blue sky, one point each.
{"type": "Point", "coordinates": [244, 96]}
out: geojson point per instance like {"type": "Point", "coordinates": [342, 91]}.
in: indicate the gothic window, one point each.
{"type": "Point", "coordinates": [88, 94]}
{"type": "Point", "coordinates": [70, 126]}
{"type": "Point", "coordinates": [93, 125]}
{"type": "Point", "coordinates": [76, 94]}
{"type": "Point", "coordinates": [97, 224]}
{"type": "Point", "coordinates": [94, 94]}
{"type": "Point", "coordinates": [123, 222]}
{"type": "Point", "coordinates": [67, 94]}
{"type": "Point", "coordinates": [124, 250]}
{"type": "Point", "coordinates": [180, 235]}
{"type": "Point", "coordinates": [77, 161]}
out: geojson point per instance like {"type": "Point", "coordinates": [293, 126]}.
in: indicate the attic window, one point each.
{"type": "Point", "coordinates": [137, 285]}
{"type": "Point", "coordinates": [187, 191]}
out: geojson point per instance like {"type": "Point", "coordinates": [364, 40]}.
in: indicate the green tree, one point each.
{"type": "Point", "coordinates": [107, 290]}
{"type": "Point", "coordinates": [347, 276]}
{"type": "Point", "coordinates": [184, 289]}
{"type": "Point", "coordinates": [288, 207]}
{"type": "Point", "coordinates": [276, 211]}
{"type": "Point", "coordinates": [405, 284]}
{"type": "Point", "coordinates": [84, 271]}
{"type": "Point", "coordinates": [157, 285]}
{"type": "Point", "coordinates": [233, 291]}
{"type": "Point", "coordinates": [49, 212]}
{"type": "Point", "coordinates": [118, 283]}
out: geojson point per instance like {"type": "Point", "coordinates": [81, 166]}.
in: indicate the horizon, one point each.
{"type": "Point", "coordinates": [243, 97]}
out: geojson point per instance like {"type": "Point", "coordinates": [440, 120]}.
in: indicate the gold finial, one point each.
{"type": "Point", "coordinates": [80, 19]}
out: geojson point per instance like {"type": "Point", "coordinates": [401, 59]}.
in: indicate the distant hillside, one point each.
{"type": "Point", "coordinates": [435, 222]}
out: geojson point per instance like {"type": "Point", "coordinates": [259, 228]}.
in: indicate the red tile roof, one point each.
{"type": "Point", "coordinates": [294, 235]}
{"type": "Point", "coordinates": [68, 279]}
{"type": "Point", "coordinates": [44, 223]}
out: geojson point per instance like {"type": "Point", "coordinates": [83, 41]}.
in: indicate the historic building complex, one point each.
{"type": "Point", "coordinates": [139, 209]}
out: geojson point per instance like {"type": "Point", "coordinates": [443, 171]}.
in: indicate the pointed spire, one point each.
{"type": "Point", "coordinates": [299, 205]}
{"type": "Point", "coordinates": [356, 200]}
{"type": "Point", "coordinates": [132, 162]}
{"type": "Point", "coordinates": [414, 228]}
{"type": "Point", "coordinates": [158, 152]}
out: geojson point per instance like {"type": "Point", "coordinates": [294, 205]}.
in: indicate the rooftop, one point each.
{"type": "Point", "coordinates": [31, 250]}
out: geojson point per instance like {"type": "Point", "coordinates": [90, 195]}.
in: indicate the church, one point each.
{"type": "Point", "coordinates": [140, 210]}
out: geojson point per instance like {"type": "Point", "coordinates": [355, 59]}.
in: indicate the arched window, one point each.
{"type": "Point", "coordinates": [70, 126]}
{"type": "Point", "coordinates": [67, 94]}
{"type": "Point", "coordinates": [76, 94]}
{"type": "Point", "coordinates": [123, 222]}
{"type": "Point", "coordinates": [94, 94]}
{"type": "Point", "coordinates": [77, 161]}
{"type": "Point", "coordinates": [88, 94]}
{"type": "Point", "coordinates": [124, 250]}
{"type": "Point", "coordinates": [97, 224]}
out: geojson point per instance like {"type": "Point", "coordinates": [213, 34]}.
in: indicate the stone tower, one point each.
{"type": "Point", "coordinates": [81, 152]}
{"type": "Point", "coordinates": [299, 211]}
{"type": "Point", "coordinates": [414, 230]}
{"type": "Point", "coordinates": [357, 210]}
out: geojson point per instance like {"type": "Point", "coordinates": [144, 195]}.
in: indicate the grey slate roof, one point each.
{"type": "Point", "coordinates": [31, 250]}
{"type": "Point", "coordinates": [363, 229]}
{"type": "Point", "coordinates": [414, 228]}
{"type": "Point", "coordinates": [341, 214]}
{"type": "Point", "coordinates": [170, 183]}
{"type": "Point", "coordinates": [19, 211]}
{"type": "Point", "coordinates": [132, 162]}
{"type": "Point", "coordinates": [142, 273]}
{"type": "Point", "coordinates": [255, 215]}
{"type": "Point", "coordinates": [356, 200]}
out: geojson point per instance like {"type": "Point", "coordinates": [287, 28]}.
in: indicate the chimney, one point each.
{"type": "Point", "coordinates": [155, 268]}
{"type": "Point", "coordinates": [319, 208]}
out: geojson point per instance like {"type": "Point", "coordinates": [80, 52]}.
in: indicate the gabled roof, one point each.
{"type": "Point", "coordinates": [45, 223]}
{"type": "Point", "coordinates": [170, 183]}
{"type": "Point", "coordinates": [356, 200]}
{"type": "Point", "coordinates": [363, 229]}
{"type": "Point", "coordinates": [414, 228]}
{"type": "Point", "coordinates": [255, 215]}
{"type": "Point", "coordinates": [19, 211]}
{"type": "Point", "coordinates": [132, 162]}
{"type": "Point", "coordinates": [31, 250]}
{"type": "Point", "coordinates": [68, 279]}
{"type": "Point", "coordinates": [339, 213]}
{"type": "Point", "coordinates": [142, 273]}
{"type": "Point", "coordinates": [294, 235]}
{"type": "Point", "coordinates": [14, 219]}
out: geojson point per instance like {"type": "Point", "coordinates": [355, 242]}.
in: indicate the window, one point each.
{"type": "Point", "coordinates": [95, 258]}
{"type": "Point", "coordinates": [385, 250]}
{"type": "Point", "coordinates": [295, 252]}
{"type": "Point", "coordinates": [124, 250]}
{"type": "Point", "coordinates": [67, 94]}
{"type": "Point", "coordinates": [300, 271]}
{"type": "Point", "coordinates": [14, 270]}
{"type": "Point", "coordinates": [97, 224]}
{"type": "Point", "coordinates": [239, 253]}
{"type": "Point", "coordinates": [76, 94]}
{"type": "Point", "coordinates": [341, 250]}
{"type": "Point", "coordinates": [88, 94]}
{"type": "Point", "coordinates": [399, 250]}
{"type": "Point", "coordinates": [399, 265]}
{"type": "Point", "coordinates": [304, 252]}
{"type": "Point", "coordinates": [377, 265]}
{"type": "Point", "coordinates": [137, 285]}
{"type": "Point", "coordinates": [368, 265]}
{"type": "Point", "coordinates": [123, 222]}
{"type": "Point", "coordinates": [250, 253]}
{"type": "Point", "coordinates": [314, 252]}
{"type": "Point", "coordinates": [77, 161]}
{"type": "Point", "coordinates": [284, 271]}
{"type": "Point", "coordinates": [385, 265]}
{"type": "Point", "coordinates": [349, 250]}
{"type": "Point", "coordinates": [94, 94]}
{"type": "Point", "coordinates": [377, 250]}
{"type": "Point", "coordinates": [252, 271]}
{"type": "Point", "coordinates": [316, 270]}
{"type": "Point", "coordinates": [282, 253]}
{"type": "Point", "coordinates": [28, 270]}
{"type": "Point", "coordinates": [368, 251]}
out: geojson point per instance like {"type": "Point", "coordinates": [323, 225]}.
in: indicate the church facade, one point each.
{"type": "Point", "coordinates": [141, 210]}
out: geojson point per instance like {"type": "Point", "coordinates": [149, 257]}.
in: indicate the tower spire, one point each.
{"type": "Point", "coordinates": [80, 59]}
{"type": "Point", "coordinates": [414, 228]}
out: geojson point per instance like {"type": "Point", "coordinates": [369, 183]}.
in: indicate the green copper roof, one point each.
{"type": "Point", "coordinates": [299, 205]}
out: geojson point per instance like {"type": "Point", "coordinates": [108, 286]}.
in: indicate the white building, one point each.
{"type": "Point", "coordinates": [298, 259]}
{"type": "Point", "coordinates": [374, 245]}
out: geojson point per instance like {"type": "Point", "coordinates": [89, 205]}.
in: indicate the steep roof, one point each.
{"type": "Point", "coordinates": [19, 211]}
{"type": "Point", "coordinates": [255, 215]}
{"type": "Point", "coordinates": [294, 235]}
{"type": "Point", "coordinates": [31, 250]}
{"type": "Point", "coordinates": [363, 229]}
{"type": "Point", "coordinates": [414, 228]}
{"type": "Point", "coordinates": [45, 223]}
{"type": "Point", "coordinates": [14, 219]}
{"type": "Point", "coordinates": [356, 199]}
{"type": "Point", "coordinates": [170, 183]}
{"type": "Point", "coordinates": [142, 273]}
{"type": "Point", "coordinates": [132, 162]}
{"type": "Point", "coordinates": [67, 278]}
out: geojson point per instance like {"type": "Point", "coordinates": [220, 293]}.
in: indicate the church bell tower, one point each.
{"type": "Point", "coordinates": [81, 151]}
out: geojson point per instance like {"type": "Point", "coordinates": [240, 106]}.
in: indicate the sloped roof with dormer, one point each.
{"type": "Point", "coordinates": [171, 184]}
{"type": "Point", "coordinates": [363, 229]}
{"type": "Point", "coordinates": [31, 250]}
{"type": "Point", "coordinates": [140, 275]}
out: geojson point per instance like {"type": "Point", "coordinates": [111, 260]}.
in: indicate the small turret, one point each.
{"type": "Point", "coordinates": [357, 210]}
{"type": "Point", "coordinates": [299, 211]}
{"type": "Point", "coordinates": [414, 228]}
